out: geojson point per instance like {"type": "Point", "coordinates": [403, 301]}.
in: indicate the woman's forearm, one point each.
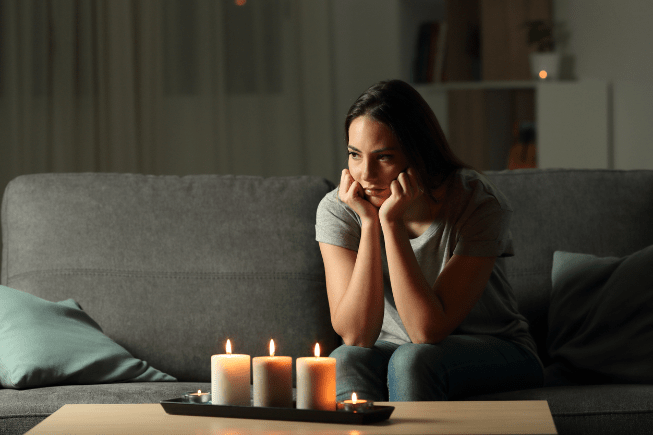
{"type": "Point", "coordinates": [420, 310]}
{"type": "Point", "coordinates": [359, 315]}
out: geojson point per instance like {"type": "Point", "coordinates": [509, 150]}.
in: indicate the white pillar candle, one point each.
{"type": "Point", "coordinates": [272, 380]}
{"type": "Point", "coordinates": [230, 376]}
{"type": "Point", "coordinates": [316, 382]}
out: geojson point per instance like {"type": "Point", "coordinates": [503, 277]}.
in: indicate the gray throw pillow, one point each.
{"type": "Point", "coordinates": [53, 343]}
{"type": "Point", "coordinates": [601, 316]}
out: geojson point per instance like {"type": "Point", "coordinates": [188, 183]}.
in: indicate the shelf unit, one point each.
{"type": "Point", "coordinates": [488, 88]}
{"type": "Point", "coordinates": [478, 116]}
{"type": "Point", "coordinates": [573, 120]}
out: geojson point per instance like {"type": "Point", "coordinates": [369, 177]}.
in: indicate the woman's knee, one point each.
{"type": "Point", "coordinates": [352, 354]}
{"type": "Point", "coordinates": [413, 358]}
{"type": "Point", "coordinates": [415, 373]}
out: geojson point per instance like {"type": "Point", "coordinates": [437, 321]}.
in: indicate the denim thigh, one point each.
{"type": "Point", "coordinates": [461, 366]}
{"type": "Point", "coordinates": [458, 367]}
{"type": "Point", "coordinates": [363, 371]}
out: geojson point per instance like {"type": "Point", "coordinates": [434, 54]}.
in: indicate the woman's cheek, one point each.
{"type": "Point", "coordinates": [354, 173]}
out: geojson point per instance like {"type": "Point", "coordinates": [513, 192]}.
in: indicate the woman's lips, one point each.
{"type": "Point", "coordinates": [375, 192]}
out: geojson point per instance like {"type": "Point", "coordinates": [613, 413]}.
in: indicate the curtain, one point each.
{"type": "Point", "coordinates": [166, 87]}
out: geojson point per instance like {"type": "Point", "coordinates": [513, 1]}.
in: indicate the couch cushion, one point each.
{"type": "Point", "coordinates": [173, 266]}
{"type": "Point", "coordinates": [20, 410]}
{"type": "Point", "coordinates": [592, 409]}
{"type": "Point", "coordinates": [601, 316]}
{"type": "Point", "coordinates": [46, 343]}
{"type": "Point", "coordinates": [599, 212]}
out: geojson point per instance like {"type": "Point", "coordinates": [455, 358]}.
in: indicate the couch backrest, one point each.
{"type": "Point", "coordinates": [599, 212]}
{"type": "Point", "coordinates": [171, 267]}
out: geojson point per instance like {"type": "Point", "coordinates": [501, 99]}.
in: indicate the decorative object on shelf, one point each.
{"type": "Point", "coordinates": [545, 61]}
{"type": "Point", "coordinates": [523, 153]}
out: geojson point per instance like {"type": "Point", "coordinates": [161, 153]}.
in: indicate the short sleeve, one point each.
{"type": "Point", "coordinates": [336, 223]}
{"type": "Point", "coordinates": [486, 233]}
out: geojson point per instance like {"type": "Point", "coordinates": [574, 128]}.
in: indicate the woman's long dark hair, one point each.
{"type": "Point", "coordinates": [401, 108]}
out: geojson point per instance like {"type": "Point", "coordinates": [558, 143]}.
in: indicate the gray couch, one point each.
{"type": "Point", "coordinates": [170, 267]}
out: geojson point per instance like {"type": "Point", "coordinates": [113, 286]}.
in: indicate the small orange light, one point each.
{"type": "Point", "coordinates": [317, 350]}
{"type": "Point", "coordinates": [543, 74]}
{"type": "Point", "coordinates": [271, 347]}
{"type": "Point", "coordinates": [228, 347]}
{"type": "Point", "coordinates": [240, 2]}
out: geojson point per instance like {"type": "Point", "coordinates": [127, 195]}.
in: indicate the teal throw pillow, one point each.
{"type": "Point", "coordinates": [601, 316]}
{"type": "Point", "coordinates": [56, 343]}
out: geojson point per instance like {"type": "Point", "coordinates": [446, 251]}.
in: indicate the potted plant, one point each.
{"type": "Point", "coordinates": [545, 62]}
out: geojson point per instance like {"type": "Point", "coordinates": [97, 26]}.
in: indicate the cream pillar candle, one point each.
{"type": "Point", "coordinates": [230, 376]}
{"type": "Point", "coordinates": [316, 382]}
{"type": "Point", "coordinates": [272, 380]}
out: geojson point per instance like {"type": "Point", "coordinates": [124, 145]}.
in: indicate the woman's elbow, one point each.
{"type": "Point", "coordinates": [357, 341]}
{"type": "Point", "coordinates": [355, 338]}
{"type": "Point", "coordinates": [428, 337]}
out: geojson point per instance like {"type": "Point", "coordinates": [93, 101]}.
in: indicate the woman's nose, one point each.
{"type": "Point", "coordinates": [368, 171]}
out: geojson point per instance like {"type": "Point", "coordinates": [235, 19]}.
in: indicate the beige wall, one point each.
{"type": "Point", "coordinates": [610, 40]}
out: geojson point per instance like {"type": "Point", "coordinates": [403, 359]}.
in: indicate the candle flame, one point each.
{"type": "Point", "coordinates": [271, 347]}
{"type": "Point", "coordinates": [228, 347]}
{"type": "Point", "coordinates": [353, 398]}
{"type": "Point", "coordinates": [199, 392]}
{"type": "Point", "coordinates": [317, 350]}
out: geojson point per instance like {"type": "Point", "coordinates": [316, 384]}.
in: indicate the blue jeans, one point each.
{"type": "Point", "coordinates": [458, 367]}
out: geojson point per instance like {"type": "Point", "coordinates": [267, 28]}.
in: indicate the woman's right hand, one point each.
{"type": "Point", "coordinates": [352, 194]}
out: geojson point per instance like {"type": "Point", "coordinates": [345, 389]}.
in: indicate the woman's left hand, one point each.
{"type": "Point", "coordinates": [404, 191]}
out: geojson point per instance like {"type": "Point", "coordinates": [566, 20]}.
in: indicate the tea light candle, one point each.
{"type": "Point", "coordinates": [272, 380]}
{"type": "Point", "coordinates": [198, 397]}
{"type": "Point", "coordinates": [355, 404]}
{"type": "Point", "coordinates": [230, 376]}
{"type": "Point", "coordinates": [316, 382]}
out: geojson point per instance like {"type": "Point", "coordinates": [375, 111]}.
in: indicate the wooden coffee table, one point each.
{"type": "Point", "coordinates": [509, 417]}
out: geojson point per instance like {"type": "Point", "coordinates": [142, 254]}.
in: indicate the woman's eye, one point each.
{"type": "Point", "coordinates": [352, 154]}
{"type": "Point", "coordinates": [385, 157]}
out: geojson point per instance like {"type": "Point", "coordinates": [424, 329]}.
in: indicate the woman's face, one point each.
{"type": "Point", "coordinates": [375, 158]}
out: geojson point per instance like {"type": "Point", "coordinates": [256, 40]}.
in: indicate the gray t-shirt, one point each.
{"type": "Point", "coordinates": [474, 220]}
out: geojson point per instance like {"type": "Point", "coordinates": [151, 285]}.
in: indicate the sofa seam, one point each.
{"type": "Point", "coordinates": [535, 272]}
{"type": "Point", "coordinates": [2, 417]}
{"type": "Point", "coordinates": [541, 171]}
{"type": "Point", "coordinates": [4, 229]}
{"type": "Point", "coordinates": [170, 275]}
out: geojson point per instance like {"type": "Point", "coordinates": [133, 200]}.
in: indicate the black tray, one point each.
{"type": "Point", "coordinates": [371, 415]}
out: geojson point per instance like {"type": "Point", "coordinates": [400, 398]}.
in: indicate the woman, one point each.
{"type": "Point", "coordinates": [409, 240]}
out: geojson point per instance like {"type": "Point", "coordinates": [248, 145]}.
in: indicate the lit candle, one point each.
{"type": "Point", "coordinates": [355, 404]}
{"type": "Point", "coordinates": [316, 382]}
{"type": "Point", "coordinates": [230, 379]}
{"type": "Point", "coordinates": [198, 397]}
{"type": "Point", "coordinates": [272, 380]}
